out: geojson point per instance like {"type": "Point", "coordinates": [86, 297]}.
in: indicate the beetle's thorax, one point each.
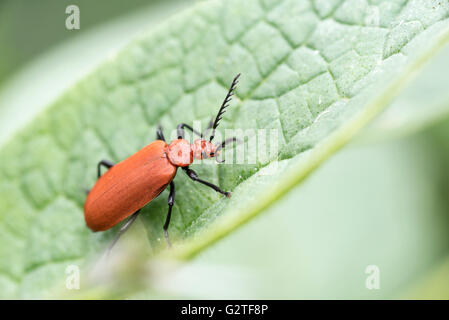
{"type": "Point", "coordinates": [181, 153]}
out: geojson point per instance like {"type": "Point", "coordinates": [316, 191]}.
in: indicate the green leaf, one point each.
{"type": "Point", "coordinates": [316, 71]}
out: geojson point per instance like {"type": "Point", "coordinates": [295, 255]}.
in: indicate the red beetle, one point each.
{"type": "Point", "coordinates": [131, 184]}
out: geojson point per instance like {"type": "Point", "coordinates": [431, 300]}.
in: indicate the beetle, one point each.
{"type": "Point", "coordinates": [126, 187]}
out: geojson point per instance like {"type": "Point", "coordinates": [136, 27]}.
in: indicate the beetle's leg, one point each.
{"type": "Point", "coordinates": [123, 229]}
{"type": "Point", "coordinates": [105, 163]}
{"type": "Point", "coordinates": [171, 202]}
{"type": "Point", "coordinates": [180, 130]}
{"type": "Point", "coordinates": [192, 175]}
{"type": "Point", "coordinates": [160, 134]}
{"type": "Point", "coordinates": [226, 142]}
{"type": "Point", "coordinates": [223, 145]}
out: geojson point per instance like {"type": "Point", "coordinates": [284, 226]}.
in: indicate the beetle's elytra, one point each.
{"type": "Point", "coordinates": [132, 183]}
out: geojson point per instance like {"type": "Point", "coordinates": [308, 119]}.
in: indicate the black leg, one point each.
{"type": "Point", "coordinates": [105, 163]}
{"type": "Point", "coordinates": [160, 134]}
{"type": "Point", "coordinates": [171, 202]}
{"type": "Point", "coordinates": [224, 144]}
{"type": "Point", "coordinates": [123, 229]}
{"type": "Point", "coordinates": [181, 127]}
{"type": "Point", "coordinates": [192, 175]}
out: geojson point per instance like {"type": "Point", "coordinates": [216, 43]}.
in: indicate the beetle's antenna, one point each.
{"type": "Point", "coordinates": [224, 105]}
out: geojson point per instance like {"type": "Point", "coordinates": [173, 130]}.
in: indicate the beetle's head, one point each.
{"type": "Point", "coordinates": [203, 149]}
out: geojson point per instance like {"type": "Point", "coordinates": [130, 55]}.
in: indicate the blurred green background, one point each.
{"type": "Point", "coordinates": [30, 28]}
{"type": "Point", "coordinates": [382, 202]}
{"type": "Point", "coordinates": [40, 58]}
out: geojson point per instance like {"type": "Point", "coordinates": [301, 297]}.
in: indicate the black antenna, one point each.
{"type": "Point", "coordinates": [224, 106]}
